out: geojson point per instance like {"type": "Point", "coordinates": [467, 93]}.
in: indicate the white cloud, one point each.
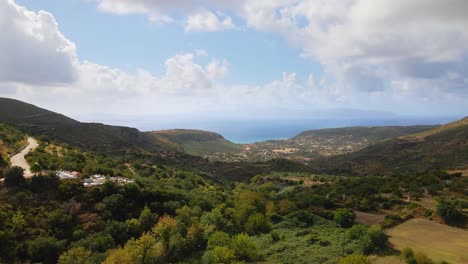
{"type": "Point", "coordinates": [363, 43]}
{"type": "Point", "coordinates": [208, 21]}
{"type": "Point", "coordinates": [370, 61]}
{"type": "Point", "coordinates": [33, 49]}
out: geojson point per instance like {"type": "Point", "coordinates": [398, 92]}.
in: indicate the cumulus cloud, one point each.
{"type": "Point", "coordinates": [368, 42]}
{"type": "Point", "coordinates": [33, 49]}
{"type": "Point", "coordinates": [364, 43]}
{"type": "Point", "coordinates": [376, 54]}
{"type": "Point", "coordinates": [208, 21]}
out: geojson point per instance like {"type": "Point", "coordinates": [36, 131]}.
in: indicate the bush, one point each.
{"type": "Point", "coordinates": [375, 241]}
{"type": "Point", "coordinates": [344, 217]}
{"type": "Point", "coordinates": [312, 239]}
{"type": "Point", "coordinates": [14, 177]}
{"type": "Point", "coordinates": [450, 212]}
{"type": "Point", "coordinates": [274, 236]}
{"type": "Point", "coordinates": [44, 249]}
{"type": "Point", "coordinates": [357, 231]}
{"type": "Point", "coordinates": [276, 218]}
{"type": "Point", "coordinates": [301, 218]}
{"type": "Point", "coordinates": [223, 255]}
{"type": "Point", "coordinates": [355, 259]}
{"type": "Point", "coordinates": [220, 239]}
{"type": "Point", "coordinates": [245, 248]}
{"type": "Point", "coordinates": [257, 223]}
{"type": "Point", "coordinates": [415, 257]}
{"type": "Point", "coordinates": [78, 255]}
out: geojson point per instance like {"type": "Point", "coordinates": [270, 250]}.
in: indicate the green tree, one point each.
{"type": "Point", "coordinates": [145, 250]}
{"type": "Point", "coordinates": [220, 239]}
{"type": "Point", "coordinates": [60, 224]}
{"type": "Point", "coordinates": [147, 219]}
{"type": "Point", "coordinates": [219, 255]}
{"type": "Point", "coordinates": [14, 177]}
{"type": "Point", "coordinates": [18, 222]}
{"type": "Point", "coordinates": [344, 217]}
{"type": "Point", "coordinates": [257, 223]}
{"type": "Point", "coordinates": [36, 168]}
{"type": "Point", "coordinates": [245, 248]}
{"type": "Point", "coordinates": [450, 212]}
{"type": "Point", "coordinates": [355, 259]}
{"type": "Point", "coordinates": [119, 256]}
{"type": "Point", "coordinates": [114, 206]}
{"type": "Point", "coordinates": [44, 249]}
{"type": "Point", "coordinates": [77, 255]}
{"type": "Point", "coordinates": [375, 241]}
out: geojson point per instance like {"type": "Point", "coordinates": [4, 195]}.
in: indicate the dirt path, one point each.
{"type": "Point", "coordinates": [20, 161]}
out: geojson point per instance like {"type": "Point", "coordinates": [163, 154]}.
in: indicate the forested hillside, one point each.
{"type": "Point", "coordinates": [40, 122]}
{"type": "Point", "coordinates": [441, 148]}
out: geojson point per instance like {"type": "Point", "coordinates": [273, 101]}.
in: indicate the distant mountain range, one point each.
{"type": "Point", "coordinates": [389, 149]}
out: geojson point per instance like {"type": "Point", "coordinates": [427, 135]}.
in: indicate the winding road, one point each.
{"type": "Point", "coordinates": [20, 161]}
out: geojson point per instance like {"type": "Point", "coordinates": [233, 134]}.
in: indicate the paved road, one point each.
{"type": "Point", "coordinates": [18, 159]}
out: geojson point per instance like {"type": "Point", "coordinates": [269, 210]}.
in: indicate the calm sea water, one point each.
{"type": "Point", "coordinates": [258, 130]}
{"type": "Point", "coordinates": [248, 131]}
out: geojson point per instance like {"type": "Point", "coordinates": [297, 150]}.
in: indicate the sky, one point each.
{"type": "Point", "coordinates": [158, 63]}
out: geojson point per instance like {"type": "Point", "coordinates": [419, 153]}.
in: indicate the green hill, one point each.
{"type": "Point", "coordinates": [39, 122]}
{"type": "Point", "coordinates": [371, 134]}
{"type": "Point", "coordinates": [11, 141]}
{"type": "Point", "coordinates": [196, 142]}
{"type": "Point", "coordinates": [440, 148]}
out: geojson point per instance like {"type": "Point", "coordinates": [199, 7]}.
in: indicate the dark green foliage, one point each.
{"type": "Point", "coordinates": [14, 177]}
{"type": "Point", "coordinates": [450, 212]}
{"type": "Point", "coordinates": [147, 219]}
{"type": "Point", "coordinates": [60, 224]}
{"type": "Point", "coordinates": [344, 217]}
{"type": "Point", "coordinates": [374, 241]}
{"type": "Point", "coordinates": [220, 239]}
{"type": "Point", "coordinates": [245, 248]}
{"type": "Point", "coordinates": [301, 218]}
{"type": "Point", "coordinates": [45, 184]}
{"type": "Point", "coordinates": [44, 249]}
{"type": "Point", "coordinates": [257, 223]}
{"type": "Point", "coordinates": [357, 232]}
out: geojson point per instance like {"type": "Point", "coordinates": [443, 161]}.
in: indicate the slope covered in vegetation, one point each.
{"type": "Point", "coordinates": [40, 122]}
{"type": "Point", "coordinates": [197, 142]}
{"type": "Point", "coordinates": [370, 134]}
{"type": "Point", "coordinates": [441, 148]}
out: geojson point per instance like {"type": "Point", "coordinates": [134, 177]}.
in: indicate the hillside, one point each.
{"type": "Point", "coordinates": [11, 141]}
{"type": "Point", "coordinates": [196, 142]}
{"type": "Point", "coordinates": [441, 148]}
{"type": "Point", "coordinates": [369, 134]}
{"type": "Point", "coordinates": [313, 144]}
{"type": "Point", "coordinates": [39, 122]}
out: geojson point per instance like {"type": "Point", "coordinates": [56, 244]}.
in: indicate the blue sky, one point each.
{"type": "Point", "coordinates": [188, 62]}
{"type": "Point", "coordinates": [130, 42]}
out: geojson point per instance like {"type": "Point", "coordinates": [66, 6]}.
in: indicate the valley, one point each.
{"type": "Point", "coordinates": [191, 196]}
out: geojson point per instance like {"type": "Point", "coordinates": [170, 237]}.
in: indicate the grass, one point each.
{"type": "Point", "coordinates": [295, 246]}
{"type": "Point", "coordinates": [439, 242]}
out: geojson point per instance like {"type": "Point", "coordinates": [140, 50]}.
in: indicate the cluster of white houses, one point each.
{"type": "Point", "coordinates": [93, 180]}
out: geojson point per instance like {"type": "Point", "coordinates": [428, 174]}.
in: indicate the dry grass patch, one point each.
{"type": "Point", "coordinates": [368, 218]}
{"type": "Point", "coordinates": [439, 242]}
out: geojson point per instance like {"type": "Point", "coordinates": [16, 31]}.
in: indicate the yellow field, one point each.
{"type": "Point", "coordinates": [439, 242]}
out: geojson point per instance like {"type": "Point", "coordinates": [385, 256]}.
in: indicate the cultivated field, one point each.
{"type": "Point", "coordinates": [439, 242]}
